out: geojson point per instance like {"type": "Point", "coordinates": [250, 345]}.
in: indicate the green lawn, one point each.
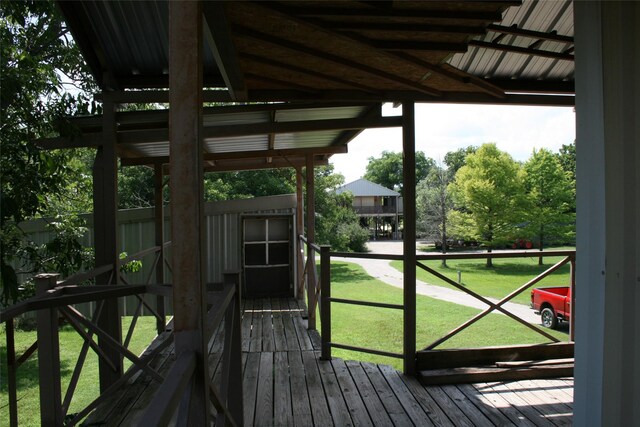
{"type": "Point", "coordinates": [381, 328]}
{"type": "Point", "coordinates": [70, 345]}
{"type": "Point", "coordinates": [506, 275]}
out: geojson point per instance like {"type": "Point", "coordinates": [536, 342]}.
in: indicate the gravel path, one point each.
{"type": "Point", "coordinates": [382, 270]}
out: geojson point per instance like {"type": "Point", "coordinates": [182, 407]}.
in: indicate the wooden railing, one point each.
{"type": "Point", "coordinates": [568, 257]}
{"type": "Point", "coordinates": [311, 280]}
{"type": "Point", "coordinates": [227, 398]}
{"type": "Point", "coordinates": [54, 299]}
{"type": "Point", "coordinates": [325, 309]}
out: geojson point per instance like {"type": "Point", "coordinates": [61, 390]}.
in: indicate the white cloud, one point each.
{"type": "Point", "coordinates": [441, 128]}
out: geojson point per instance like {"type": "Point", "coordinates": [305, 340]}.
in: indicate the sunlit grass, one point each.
{"type": "Point", "coordinates": [381, 328]}
{"type": "Point", "coordinates": [70, 345]}
{"type": "Point", "coordinates": [506, 275]}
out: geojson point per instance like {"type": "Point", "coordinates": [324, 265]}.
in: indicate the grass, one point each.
{"type": "Point", "coordinates": [506, 275]}
{"type": "Point", "coordinates": [70, 344]}
{"type": "Point", "coordinates": [381, 328]}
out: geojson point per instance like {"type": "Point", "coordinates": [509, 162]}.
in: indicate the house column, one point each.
{"type": "Point", "coordinates": [311, 238]}
{"type": "Point", "coordinates": [105, 226]}
{"type": "Point", "coordinates": [299, 231]}
{"type": "Point", "coordinates": [607, 352]}
{"type": "Point", "coordinates": [409, 235]}
{"type": "Point", "coordinates": [159, 240]}
{"type": "Point", "coordinates": [187, 214]}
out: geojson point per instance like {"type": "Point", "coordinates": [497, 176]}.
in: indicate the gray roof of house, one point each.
{"type": "Point", "coordinates": [362, 187]}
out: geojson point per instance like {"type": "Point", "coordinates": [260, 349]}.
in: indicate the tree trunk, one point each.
{"type": "Point", "coordinates": [541, 238]}
{"type": "Point", "coordinates": [489, 260]}
{"type": "Point", "coordinates": [444, 236]}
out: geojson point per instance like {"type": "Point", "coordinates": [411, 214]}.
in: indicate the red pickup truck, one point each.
{"type": "Point", "coordinates": [552, 304]}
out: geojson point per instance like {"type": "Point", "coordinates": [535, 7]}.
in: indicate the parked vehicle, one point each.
{"type": "Point", "coordinates": [552, 304]}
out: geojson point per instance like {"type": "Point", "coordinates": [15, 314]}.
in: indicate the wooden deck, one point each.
{"type": "Point", "coordinates": [286, 385]}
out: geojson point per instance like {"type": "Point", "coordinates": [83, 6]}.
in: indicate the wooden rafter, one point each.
{"type": "Point", "coordinates": [244, 155]}
{"type": "Point", "coordinates": [217, 34]}
{"type": "Point", "coordinates": [458, 15]}
{"type": "Point", "coordinates": [514, 30]}
{"type": "Point", "coordinates": [522, 50]}
{"type": "Point", "coordinates": [401, 56]}
{"type": "Point", "coordinates": [404, 27]}
{"type": "Point", "coordinates": [313, 73]}
{"type": "Point", "coordinates": [300, 48]}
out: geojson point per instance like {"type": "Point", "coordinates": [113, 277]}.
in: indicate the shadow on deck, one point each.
{"type": "Point", "coordinates": [286, 384]}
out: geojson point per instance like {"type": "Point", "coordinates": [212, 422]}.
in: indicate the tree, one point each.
{"type": "Point", "coordinates": [567, 158]}
{"type": "Point", "coordinates": [550, 197]}
{"type": "Point", "coordinates": [387, 170]}
{"type": "Point", "coordinates": [456, 159]}
{"type": "Point", "coordinates": [434, 204]}
{"type": "Point", "coordinates": [489, 192]}
{"type": "Point", "coordinates": [336, 222]}
{"type": "Point", "coordinates": [36, 52]}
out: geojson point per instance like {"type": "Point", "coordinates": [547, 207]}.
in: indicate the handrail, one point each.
{"type": "Point", "coordinates": [54, 298]}
{"type": "Point", "coordinates": [166, 399]}
{"type": "Point", "coordinates": [327, 299]}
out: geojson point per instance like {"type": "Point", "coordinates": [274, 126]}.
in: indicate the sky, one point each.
{"type": "Point", "coordinates": [441, 128]}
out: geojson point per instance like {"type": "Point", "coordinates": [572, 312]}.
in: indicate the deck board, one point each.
{"type": "Point", "coordinates": [285, 384]}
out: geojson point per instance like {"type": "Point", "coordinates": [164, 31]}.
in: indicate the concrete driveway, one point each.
{"type": "Point", "coordinates": [382, 270]}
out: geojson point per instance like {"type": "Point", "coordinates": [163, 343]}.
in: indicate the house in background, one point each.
{"type": "Point", "coordinates": [375, 203]}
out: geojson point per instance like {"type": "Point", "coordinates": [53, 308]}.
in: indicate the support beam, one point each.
{"type": "Point", "coordinates": [299, 231]}
{"type": "Point", "coordinates": [409, 235]}
{"type": "Point", "coordinates": [187, 215]}
{"type": "Point", "coordinates": [311, 239]}
{"type": "Point", "coordinates": [607, 333]}
{"type": "Point", "coordinates": [105, 208]}
{"type": "Point", "coordinates": [218, 36]}
{"type": "Point", "coordinates": [522, 50]}
{"type": "Point", "coordinates": [158, 214]}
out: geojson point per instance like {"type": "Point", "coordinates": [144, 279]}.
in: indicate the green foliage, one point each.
{"type": "Point", "coordinates": [37, 53]}
{"type": "Point", "coordinates": [549, 217]}
{"type": "Point", "coordinates": [387, 170]}
{"type": "Point", "coordinates": [456, 159]}
{"type": "Point", "coordinates": [489, 194]}
{"type": "Point", "coordinates": [351, 236]}
{"type": "Point", "coordinates": [132, 266]}
{"type": "Point", "coordinates": [433, 205]}
{"type": "Point", "coordinates": [336, 222]}
{"type": "Point", "coordinates": [567, 158]}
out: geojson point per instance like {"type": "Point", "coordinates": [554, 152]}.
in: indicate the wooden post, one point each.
{"type": "Point", "coordinates": [159, 239]}
{"type": "Point", "coordinates": [299, 231]}
{"type": "Point", "coordinates": [49, 357]}
{"type": "Point", "coordinates": [311, 238]}
{"type": "Point", "coordinates": [572, 319]}
{"type": "Point", "coordinates": [105, 226]}
{"type": "Point", "coordinates": [325, 295]}
{"type": "Point", "coordinates": [233, 328]}
{"type": "Point", "coordinates": [11, 373]}
{"type": "Point", "coordinates": [409, 236]}
{"type": "Point", "coordinates": [187, 214]}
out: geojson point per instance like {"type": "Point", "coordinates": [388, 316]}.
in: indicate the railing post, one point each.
{"type": "Point", "coordinates": [11, 374]}
{"type": "Point", "coordinates": [233, 328]}
{"type": "Point", "coordinates": [159, 238]}
{"type": "Point", "coordinates": [572, 318]}
{"type": "Point", "coordinates": [49, 357]}
{"type": "Point", "coordinates": [409, 238]}
{"type": "Point", "coordinates": [325, 296]}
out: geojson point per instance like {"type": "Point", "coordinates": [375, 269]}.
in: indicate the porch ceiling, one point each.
{"type": "Point", "coordinates": [436, 51]}
{"type": "Point", "coordinates": [237, 137]}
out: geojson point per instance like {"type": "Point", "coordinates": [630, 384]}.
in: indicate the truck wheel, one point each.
{"type": "Point", "coordinates": [549, 319]}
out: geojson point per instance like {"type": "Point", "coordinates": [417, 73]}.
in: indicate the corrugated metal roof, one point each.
{"type": "Point", "coordinates": [238, 130]}
{"type": "Point", "coordinates": [540, 16]}
{"type": "Point", "coordinates": [364, 188]}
